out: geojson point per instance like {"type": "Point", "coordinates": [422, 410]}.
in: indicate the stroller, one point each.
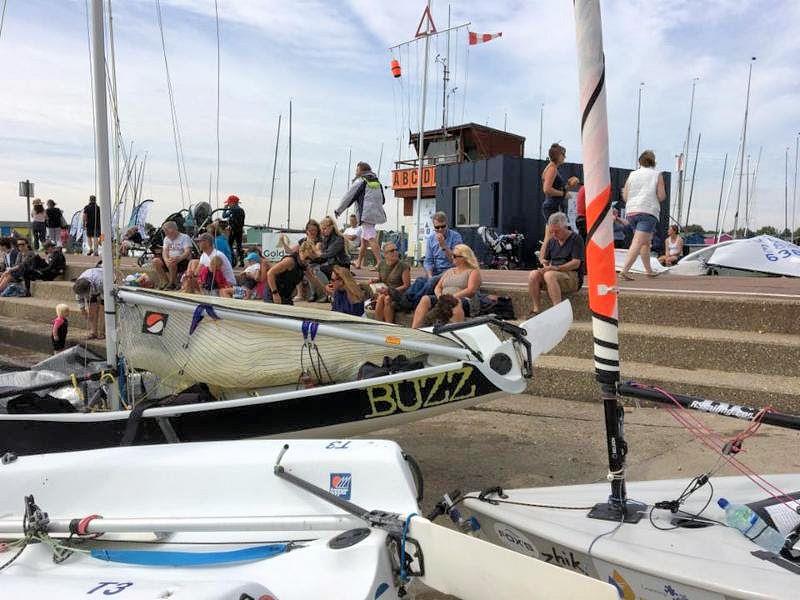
{"type": "Point", "coordinates": [505, 249]}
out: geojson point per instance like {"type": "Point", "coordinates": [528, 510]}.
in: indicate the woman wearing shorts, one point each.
{"type": "Point", "coordinates": [643, 193]}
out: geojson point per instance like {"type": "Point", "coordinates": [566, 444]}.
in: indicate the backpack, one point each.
{"type": "Point", "coordinates": [502, 308]}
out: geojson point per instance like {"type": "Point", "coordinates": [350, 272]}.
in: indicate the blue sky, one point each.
{"type": "Point", "coordinates": [332, 59]}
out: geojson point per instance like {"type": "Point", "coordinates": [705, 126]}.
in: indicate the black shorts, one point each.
{"type": "Point", "coordinates": [96, 299]}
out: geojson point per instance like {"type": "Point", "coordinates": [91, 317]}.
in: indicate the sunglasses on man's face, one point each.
{"type": "Point", "coordinates": [440, 227]}
{"type": "Point", "coordinates": [390, 250]}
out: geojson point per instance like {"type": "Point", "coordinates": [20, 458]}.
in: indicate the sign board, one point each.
{"type": "Point", "coordinates": [275, 244]}
{"type": "Point", "coordinates": [25, 189]}
{"type": "Point", "coordinates": [406, 179]}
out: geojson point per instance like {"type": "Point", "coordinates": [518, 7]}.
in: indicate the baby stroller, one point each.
{"type": "Point", "coordinates": [505, 249]}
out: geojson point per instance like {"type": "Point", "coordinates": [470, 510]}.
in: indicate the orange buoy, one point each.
{"type": "Point", "coordinates": [396, 68]}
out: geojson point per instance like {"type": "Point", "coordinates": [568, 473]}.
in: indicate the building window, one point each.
{"type": "Point", "coordinates": [468, 206]}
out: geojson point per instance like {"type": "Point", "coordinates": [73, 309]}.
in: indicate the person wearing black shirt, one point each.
{"type": "Point", "coordinates": [234, 215]}
{"type": "Point", "coordinates": [91, 224]}
{"type": "Point", "coordinates": [53, 220]}
{"type": "Point", "coordinates": [563, 260]}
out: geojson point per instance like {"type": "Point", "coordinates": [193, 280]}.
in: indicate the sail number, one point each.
{"type": "Point", "coordinates": [421, 392]}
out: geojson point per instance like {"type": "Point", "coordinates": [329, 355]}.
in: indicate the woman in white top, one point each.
{"type": "Point", "coordinates": [643, 193]}
{"type": "Point", "coordinates": [674, 247]}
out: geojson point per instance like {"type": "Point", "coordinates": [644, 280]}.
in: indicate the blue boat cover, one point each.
{"type": "Point", "coordinates": [161, 558]}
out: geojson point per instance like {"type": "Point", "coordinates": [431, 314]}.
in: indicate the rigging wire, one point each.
{"type": "Point", "coordinates": [91, 87]}
{"type": "Point", "coordinates": [176, 134]}
{"type": "Point", "coordinates": [3, 17]}
{"type": "Point", "coordinates": [219, 68]}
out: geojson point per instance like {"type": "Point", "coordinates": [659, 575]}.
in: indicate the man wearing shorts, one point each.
{"type": "Point", "coordinates": [174, 257]}
{"type": "Point", "coordinates": [88, 289]}
{"type": "Point", "coordinates": [367, 194]}
{"type": "Point", "coordinates": [563, 261]}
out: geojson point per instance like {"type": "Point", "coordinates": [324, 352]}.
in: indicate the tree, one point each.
{"type": "Point", "coordinates": [694, 229]}
{"type": "Point", "coordinates": [767, 230]}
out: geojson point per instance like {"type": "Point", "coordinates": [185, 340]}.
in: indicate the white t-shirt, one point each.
{"type": "Point", "coordinates": [356, 231]}
{"type": "Point", "coordinates": [227, 270]}
{"type": "Point", "coordinates": [252, 270]}
{"type": "Point", "coordinates": [178, 246]}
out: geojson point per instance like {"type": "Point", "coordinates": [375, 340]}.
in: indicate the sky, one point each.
{"type": "Point", "coordinates": [331, 59]}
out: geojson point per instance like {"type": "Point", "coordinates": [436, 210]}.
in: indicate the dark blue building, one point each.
{"type": "Point", "coordinates": [505, 192]}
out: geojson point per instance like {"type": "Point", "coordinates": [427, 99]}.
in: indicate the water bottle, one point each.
{"type": "Point", "coordinates": [752, 526]}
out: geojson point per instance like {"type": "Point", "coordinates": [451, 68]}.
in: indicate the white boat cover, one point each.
{"type": "Point", "coordinates": [232, 355]}
{"type": "Point", "coordinates": [761, 254]}
{"type": "Point", "coordinates": [620, 254]}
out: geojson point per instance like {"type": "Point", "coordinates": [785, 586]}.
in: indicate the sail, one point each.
{"type": "Point", "coordinates": [232, 355]}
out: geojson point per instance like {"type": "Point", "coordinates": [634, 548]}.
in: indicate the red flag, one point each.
{"type": "Point", "coordinates": [480, 38]}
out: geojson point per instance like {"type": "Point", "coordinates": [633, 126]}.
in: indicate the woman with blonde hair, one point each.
{"type": "Point", "coordinates": [462, 282]}
{"type": "Point", "coordinates": [283, 276]}
{"type": "Point", "coordinates": [346, 295]}
{"type": "Point", "coordinates": [643, 193]}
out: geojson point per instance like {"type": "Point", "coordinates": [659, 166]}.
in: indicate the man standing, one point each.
{"type": "Point", "coordinates": [439, 246]}
{"type": "Point", "coordinates": [175, 255]}
{"type": "Point", "coordinates": [91, 225]}
{"type": "Point", "coordinates": [563, 261]}
{"type": "Point", "coordinates": [234, 215]}
{"type": "Point", "coordinates": [367, 194]}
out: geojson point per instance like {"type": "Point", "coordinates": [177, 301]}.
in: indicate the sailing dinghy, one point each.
{"type": "Point", "coordinates": [651, 540]}
{"type": "Point", "coordinates": [251, 358]}
{"type": "Point", "coordinates": [245, 520]}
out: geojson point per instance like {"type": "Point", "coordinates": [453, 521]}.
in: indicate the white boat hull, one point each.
{"type": "Point", "coordinates": [644, 563]}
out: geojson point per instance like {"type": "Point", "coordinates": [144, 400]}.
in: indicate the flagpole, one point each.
{"type": "Point", "coordinates": [602, 278]}
{"type": "Point", "coordinates": [421, 138]}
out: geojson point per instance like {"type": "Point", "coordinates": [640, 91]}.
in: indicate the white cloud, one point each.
{"type": "Point", "coordinates": [332, 58]}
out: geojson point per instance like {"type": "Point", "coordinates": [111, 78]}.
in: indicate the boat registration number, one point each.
{"type": "Point", "coordinates": [420, 392]}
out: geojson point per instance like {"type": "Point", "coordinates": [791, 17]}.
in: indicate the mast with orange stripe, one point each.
{"type": "Point", "coordinates": [602, 277]}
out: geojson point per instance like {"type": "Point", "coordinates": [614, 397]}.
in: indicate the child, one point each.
{"type": "Point", "coordinates": [211, 278]}
{"type": "Point", "coordinates": [58, 335]}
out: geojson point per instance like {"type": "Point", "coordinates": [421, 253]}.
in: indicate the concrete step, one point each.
{"type": "Point", "coordinates": [35, 337]}
{"type": "Point", "coordinates": [57, 291]}
{"type": "Point", "coordinates": [39, 311]}
{"type": "Point", "coordinates": [689, 348]}
{"type": "Point", "coordinates": [572, 378]}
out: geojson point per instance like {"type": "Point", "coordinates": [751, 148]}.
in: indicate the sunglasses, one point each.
{"type": "Point", "coordinates": [20, 244]}
{"type": "Point", "coordinates": [440, 226]}
{"type": "Point", "coordinates": [390, 250]}
{"type": "Point", "coordinates": [458, 256]}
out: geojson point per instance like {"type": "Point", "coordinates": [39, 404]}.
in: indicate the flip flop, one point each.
{"type": "Point", "coordinates": [626, 277]}
{"type": "Point", "coordinates": [653, 275]}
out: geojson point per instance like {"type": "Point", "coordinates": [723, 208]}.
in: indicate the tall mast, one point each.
{"type": "Point", "coordinates": [330, 191]}
{"type": "Point", "coordinates": [794, 188]}
{"type": "Point", "coordinates": [219, 69]}
{"type": "Point", "coordinates": [274, 166]}
{"type": "Point", "coordinates": [104, 182]}
{"type": "Point", "coordinates": [691, 186]}
{"type": "Point", "coordinates": [446, 75]}
{"type": "Point", "coordinates": [541, 124]}
{"type": "Point", "coordinates": [380, 162]}
{"type": "Point", "coordinates": [347, 174]}
{"type": "Point", "coordinates": [719, 204]}
{"type": "Point", "coordinates": [638, 121]}
{"type": "Point", "coordinates": [289, 196]}
{"type": "Point", "coordinates": [311, 204]}
{"type": "Point", "coordinates": [421, 140]}
{"type": "Point", "coordinates": [685, 154]}
{"type": "Point", "coordinates": [786, 192]}
{"type": "Point", "coordinates": [750, 206]}
{"type": "Point", "coordinates": [602, 278]}
{"type": "Point", "coordinates": [743, 150]}
{"type": "Point", "coordinates": [114, 106]}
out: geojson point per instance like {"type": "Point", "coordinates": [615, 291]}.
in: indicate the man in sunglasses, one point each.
{"type": "Point", "coordinates": [439, 246]}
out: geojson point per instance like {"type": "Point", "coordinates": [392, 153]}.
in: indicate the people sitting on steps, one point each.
{"type": "Point", "coordinates": [192, 281]}
{"type": "Point", "coordinates": [20, 262]}
{"type": "Point", "coordinates": [284, 276]}
{"type": "Point", "coordinates": [439, 246]}
{"type": "Point", "coordinates": [462, 281]}
{"type": "Point", "coordinates": [394, 275]}
{"type": "Point", "coordinates": [175, 255]}
{"type": "Point", "coordinates": [562, 264]}
{"type": "Point", "coordinates": [346, 295]}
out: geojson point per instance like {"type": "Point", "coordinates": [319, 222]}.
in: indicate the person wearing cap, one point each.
{"type": "Point", "coordinates": [191, 283]}
{"type": "Point", "coordinates": [54, 218]}
{"type": "Point", "coordinates": [91, 224]}
{"type": "Point", "coordinates": [175, 255]}
{"type": "Point", "coordinates": [366, 192]}
{"type": "Point", "coordinates": [234, 215]}
{"type": "Point", "coordinates": [249, 278]}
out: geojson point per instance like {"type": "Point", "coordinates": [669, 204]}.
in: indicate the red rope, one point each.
{"type": "Point", "coordinates": [84, 523]}
{"type": "Point", "coordinates": [726, 449]}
